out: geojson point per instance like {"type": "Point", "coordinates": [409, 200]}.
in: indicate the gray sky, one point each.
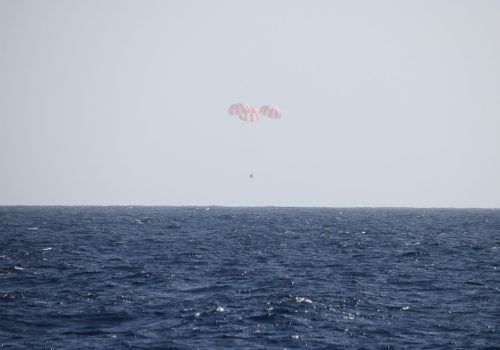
{"type": "Point", "coordinates": [386, 103]}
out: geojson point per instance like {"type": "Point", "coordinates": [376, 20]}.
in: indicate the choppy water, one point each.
{"type": "Point", "coordinates": [183, 278]}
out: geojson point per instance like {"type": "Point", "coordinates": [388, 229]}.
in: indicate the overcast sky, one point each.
{"type": "Point", "coordinates": [386, 103]}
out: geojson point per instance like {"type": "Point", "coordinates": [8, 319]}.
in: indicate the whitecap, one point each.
{"type": "Point", "coordinates": [348, 316]}
{"type": "Point", "coordinates": [303, 300]}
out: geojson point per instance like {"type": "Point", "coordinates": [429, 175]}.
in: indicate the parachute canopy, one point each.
{"type": "Point", "coordinates": [250, 114]}
{"type": "Point", "coordinates": [238, 109]}
{"type": "Point", "coordinates": [271, 112]}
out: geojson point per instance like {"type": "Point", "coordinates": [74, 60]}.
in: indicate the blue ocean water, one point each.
{"type": "Point", "coordinates": [256, 278]}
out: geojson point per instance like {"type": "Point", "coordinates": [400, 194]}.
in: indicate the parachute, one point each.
{"type": "Point", "coordinates": [250, 114]}
{"type": "Point", "coordinates": [238, 109]}
{"type": "Point", "coordinates": [271, 112]}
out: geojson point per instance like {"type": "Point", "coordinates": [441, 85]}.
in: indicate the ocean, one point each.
{"type": "Point", "coordinates": [249, 278]}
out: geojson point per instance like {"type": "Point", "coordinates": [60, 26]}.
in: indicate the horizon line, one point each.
{"type": "Point", "coordinates": [241, 206]}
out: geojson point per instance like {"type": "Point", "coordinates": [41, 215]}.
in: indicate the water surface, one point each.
{"type": "Point", "coordinates": [256, 278]}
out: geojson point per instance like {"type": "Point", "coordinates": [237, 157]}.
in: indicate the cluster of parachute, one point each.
{"type": "Point", "coordinates": [251, 114]}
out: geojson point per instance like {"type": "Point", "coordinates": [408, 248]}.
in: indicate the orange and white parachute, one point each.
{"type": "Point", "coordinates": [239, 109]}
{"type": "Point", "coordinates": [252, 115]}
{"type": "Point", "coordinates": [271, 111]}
